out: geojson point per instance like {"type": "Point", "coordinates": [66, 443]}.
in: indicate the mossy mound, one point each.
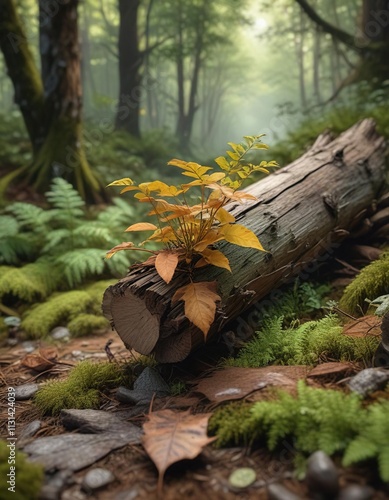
{"type": "Point", "coordinates": [305, 344]}
{"type": "Point", "coordinates": [81, 390]}
{"type": "Point", "coordinates": [317, 419]}
{"type": "Point", "coordinates": [371, 282]}
{"type": "Point", "coordinates": [29, 476]}
{"type": "Point", "coordinates": [86, 324]}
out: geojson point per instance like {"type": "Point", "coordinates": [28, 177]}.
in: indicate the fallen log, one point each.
{"type": "Point", "coordinates": [302, 212]}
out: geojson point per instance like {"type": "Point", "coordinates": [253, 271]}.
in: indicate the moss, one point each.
{"type": "Point", "coordinates": [96, 291]}
{"type": "Point", "coordinates": [306, 344]}
{"type": "Point", "coordinates": [317, 419]}
{"type": "Point", "coordinates": [62, 307]}
{"type": "Point", "coordinates": [81, 390]}
{"type": "Point", "coordinates": [29, 476]}
{"type": "Point", "coordinates": [371, 282]}
{"type": "Point", "coordinates": [85, 324]}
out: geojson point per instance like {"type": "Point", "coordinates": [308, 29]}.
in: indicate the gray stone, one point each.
{"type": "Point", "coordinates": [322, 476]}
{"type": "Point", "coordinates": [55, 484]}
{"type": "Point", "coordinates": [369, 380]}
{"type": "Point", "coordinates": [30, 429]}
{"type": "Point", "coordinates": [356, 492]}
{"type": "Point", "coordinates": [97, 421]}
{"type": "Point", "coordinates": [76, 451]}
{"type": "Point", "coordinates": [276, 491]}
{"type": "Point", "coordinates": [12, 321]}
{"type": "Point", "coordinates": [60, 333]}
{"type": "Point", "coordinates": [26, 391]}
{"type": "Point", "coordinates": [127, 494]}
{"type": "Point", "coordinates": [97, 478]}
{"type": "Point", "coordinates": [28, 346]}
{"type": "Point", "coordinates": [148, 384]}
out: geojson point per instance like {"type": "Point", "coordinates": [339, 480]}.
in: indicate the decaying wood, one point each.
{"type": "Point", "coordinates": [303, 211]}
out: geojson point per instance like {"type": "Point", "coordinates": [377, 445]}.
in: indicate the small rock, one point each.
{"type": "Point", "coordinates": [28, 346]}
{"type": "Point", "coordinates": [12, 321]}
{"type": "Point", "coordinates": [148, 384]}
{"type": "Point", "coordinates": [77, 354]}
{"type": "Point", "coordinates": [127, 494]}
{"type": "Point", "coordinates": [30, 429]}
{"type": "Point", "coordinates": [242, 477]}
{"type": "Point", "coordinates": [12, 342]}
{"type": "Point", "coordinates": [26, 391]}
{"type": "Point", "coordinates": [60, 333]}
{"type": "Point", "coordinates": [356, 492]}
{"type": "Point", "coordinates": [278, 492]}
{"type": "Point", "coordinates": [96, 479]}
{"type": "Point", "coordinates": [322, 476]}
{"type": "Point", "coordinates": [369, 380]}
{"type": "Point", "coordinates": [151, 381]}
{"type": "Point", "coordinates": [55, 484]}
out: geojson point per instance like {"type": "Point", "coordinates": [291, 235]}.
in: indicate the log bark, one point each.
{"type": "Point", "coordinates": [303, 211]}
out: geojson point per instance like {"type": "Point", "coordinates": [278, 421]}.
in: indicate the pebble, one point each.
{"type": "Point", "coordinates": [276, 491]}
{"type": "Point", "coordinates": [60, 333]}
{"type": "Point", "coordinates": [356, 492]}
{"type": "Point", "coordinates": [28, 346]}
{"type": "Point", "coordinates": [30, 429]}
{"type": "Point", "coordinates": [55, 484]}
{"type": "Point", "coordinates": [369, 380]}
{"type": "Point", "coordinates": [97, 478]}
{"type": "Point", "coordinates": [242, 477]}
{"type": "Point", "coordinates": [322, 476]}
{"type": "Point", "coordinates": [12, 321]}
{"type": "Point", "coordinates": [146, 385]}
{"type": "Point", "coordinates": [26, 391]}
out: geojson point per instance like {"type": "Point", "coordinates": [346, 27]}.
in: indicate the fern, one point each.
{"type": "Point", "coordinates": [317, 419]}
{"type": "Point", "coordinates": [68, 204]}
{"type": "Point", "coordinates": [371, 282]}
{"type": "Point", "coordinates": [81, 263]}
{"type": "Point", "coordinates": [306, 344]}
{"type": "Point", "coordinates": [30, 216]}
{"type": "Point", "coordinates": [14, 246]}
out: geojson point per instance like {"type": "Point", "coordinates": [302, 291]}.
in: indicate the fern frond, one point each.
{"type": "Point", "coordinates": [119, 265]}
{"type": "Point", "coordinates": [55, 238]}
{"type": "Point", "coordinates": [93, 233]}
{"type": "Point", "coordinates": [68, 204]}
{"type": "Point", "coordinates": [9, 226]}
{"type": "Point", "coordinates": [30, 216]}
{"type": "Point", "coordinates": [80, 263]}
{"type": "Point", "coordinates": [60, 308]}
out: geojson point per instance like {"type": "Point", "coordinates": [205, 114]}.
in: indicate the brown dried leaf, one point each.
{"type": "Point", "coordinates": [165, 264]}
{"type": "Point", "coordinates": [41, 361]}
{"type": "Point", "coordinates": [171, 436]}
{"type": "Point", "coordinates": [200, 303]}
{"type": "Point", "coordinates": [367, 325]}
{"type": "Point", "coordinates": [237, 383]}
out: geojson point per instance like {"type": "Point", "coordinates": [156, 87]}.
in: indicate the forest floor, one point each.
{"type": "Point", "coordinates": [135, 476]}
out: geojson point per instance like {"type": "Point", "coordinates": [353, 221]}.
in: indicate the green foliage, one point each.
{"type": "Point", "coordinates": [29, 476]}
{"type": "Point", "coordinates": [85, 324]}
{"type": "Point", "coordinates": [59, 308]}
{"type": "Point", "coordinates": [303, 344]}
{"type": "Point", "coordinates": [81, 389]}
{"type": "Point", "coordinates": [317, 419]}
{"type": "Point", "coordinates": [372, 281]}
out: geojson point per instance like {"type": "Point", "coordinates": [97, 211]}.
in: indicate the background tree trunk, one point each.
{"type": "Point", "coordinates": [303, 211]}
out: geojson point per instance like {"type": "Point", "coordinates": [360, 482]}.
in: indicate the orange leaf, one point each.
{"type": "Point", "coordinates": [200, 303]}
{"type": "Point", "coordinates": [142, 226]}
{"type": "Point", "coordinates": [171, 436]}
{"type": "Point", "coordinates": [42, 361]}
{"type": "Point", "coordinates": [240, 235]}
{"type": "Point", "coordinates": [216, 258]}
{"type": "Point", "coordinates": [126, 245]}
{"type": "Point", "coordinates": [165, 264]}
{"type": "Point", "coordinates": [211, 237]}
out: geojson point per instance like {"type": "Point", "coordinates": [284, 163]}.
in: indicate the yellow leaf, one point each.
{"type": "Point", "coordinates": [142, 226]}
{"type": "Point", "coordinates": [126, 245]}
{"type": "Point", "coordinates": [240, 235]}
{"type": "Point", "coordinates": [234, 156]}
{"type": "Point", "coordinates": [178, 163]}
{"type": "Point", "coordinates": [129, 188]}
{"type": "Point", "coordinates": [216, 258]}
{"type": "Point", "coordinates": [126, 181]}
{"type": "Point", "coordinates": [223, 216]}
{"type": "Point", "coordinates": [223, 163]}
{"type": "Point", "coordinates": [260, 145]}
{"type": "Point", "coordinates": [165, 264]}
{"type": "Point", "coordinates": [211, 237]}
{"type": "Point", "coordinates": [230, 193]}
{"type": "Point", "coordinates": [163, 235]}
{"type": "Point", "coordinates": [200, 303]}
{"type": "Point", "coordinates": [233, 145]}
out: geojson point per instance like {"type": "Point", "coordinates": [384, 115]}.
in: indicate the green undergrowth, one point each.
{"type": "Point", "coordinates": [29, 476]}
{"type": "Point", "coordinates": [317, 419]}
{"type": "Point", "coordinates": [371, 282]}
{"type": "Point", "coordinates": [81, 390]}
{"type": "Point", "coordinates": [307, 344]}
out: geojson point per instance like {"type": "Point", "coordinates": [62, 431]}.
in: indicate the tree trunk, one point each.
{"type": "Point", "coordinates": [303, 212]}
{"type": "Point", "coordinates": [130, 63]}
